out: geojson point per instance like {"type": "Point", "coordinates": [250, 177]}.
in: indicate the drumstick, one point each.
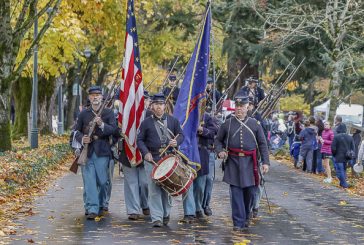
{"type": "Point", "coordinates": [168, 146]}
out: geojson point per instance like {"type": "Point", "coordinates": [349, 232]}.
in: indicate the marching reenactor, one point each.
{"type": "Point", "coordinates": [206, 133]}
{"type": "Point", "coordinates": [171, 91]}
{"type": "Point", "coordinates": [135, 186]}
{"type": "Point", "coordinates": [147, 111]}
{"type": "Point", "coordinates": [156, 133]}
{"type": "Point", "coordinates": [96, 171]}
{"type": "Point", "coordinates": [252, 90]}
{"type": "Point", "coordinates": [210, 90]}
{"type": "Point", "coordinates": [239, 141]}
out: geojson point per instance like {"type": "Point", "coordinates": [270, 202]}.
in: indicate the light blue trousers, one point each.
{"type": "Point", "coordinates": [135, 189]}
{"type": "Point", "coordinates": [199, 185]}
{"type": "Point", "coordinates": [109, 183]}
{"type": "Point", "coordinates": [209, 181]}
{"type": "Point", "coordinates": [159, 201]}
{"type": "Point", "coordinates": [189, 207]}
{"type": "Point", "coordinates": [95, 176]}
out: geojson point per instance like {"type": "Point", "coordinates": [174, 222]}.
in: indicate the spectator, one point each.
{"type": "Point", "coordinates": [341, 144]}
{"type": "Point", "coordinates": [317, 158]}
{"type": "Point", "coordinates": [309, 142]}
{"type": "Point", "coordinates": [357, 140]}
{"type": "Point", "coordinates": [339, 125]}
{"type": "Point", "coordinates": [360, 157]}
{"type": "Point", "coordinates": [290, 130]}
{"type": "Point", "coordinates": [326, 140]}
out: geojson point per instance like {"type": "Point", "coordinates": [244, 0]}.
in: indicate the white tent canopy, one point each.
{"type": "Point", "coordinates": [322, 110]}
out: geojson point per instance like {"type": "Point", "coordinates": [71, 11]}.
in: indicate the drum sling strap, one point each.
{"type": "Point", "coordinates": [254, 154]}
{"type": "Point", "coordinates": [163, 133]}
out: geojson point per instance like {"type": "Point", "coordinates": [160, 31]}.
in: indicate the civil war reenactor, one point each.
{"type": "Point", "coordinates": [135, 183]}
{"type": "Point", "coordinates": [210, 90]}
{"type": "Point", "coordinates": [171, 91]}
{"type": "Point", "coordinates": [96, 171]}
{"type": "Point", "coordinates": [135, 186]}
{"type": "Point", "coordinates": [206, 133]}
{"type": "Point", "coordinates": [147, 111]}
{"type": "Point", "coordinates": [240, 141]}
{"type": "Point", "coordinates": [251, 89]}
{"type": "Point", "coordinates": [155, 134]}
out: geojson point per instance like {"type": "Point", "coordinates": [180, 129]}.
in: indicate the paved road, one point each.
{"type": "Point", "coordinates": [303, 212]}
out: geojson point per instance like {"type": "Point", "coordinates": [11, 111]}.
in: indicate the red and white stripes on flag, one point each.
{"type": "Point", "coordinates": [131, 90]}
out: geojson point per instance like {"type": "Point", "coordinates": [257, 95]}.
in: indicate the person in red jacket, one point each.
{"type": "Point", "coordinates": [326, 141]}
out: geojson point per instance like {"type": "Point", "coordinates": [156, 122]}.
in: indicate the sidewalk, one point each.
{"type": "Point", "coordinates": [303, 212]}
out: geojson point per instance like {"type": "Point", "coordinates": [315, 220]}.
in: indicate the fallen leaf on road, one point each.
{"type": "Point", "coordinates": [30, 241]}
{"type": "Point", "coordinates": [97, 219]}
{"type": "Point", "coordinates": [343, 203]}
{"type": "Point", "coordinates": [2, 233]}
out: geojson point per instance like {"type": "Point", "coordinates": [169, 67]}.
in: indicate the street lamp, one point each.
{"type": "Point", "coordinates": [34, 103]}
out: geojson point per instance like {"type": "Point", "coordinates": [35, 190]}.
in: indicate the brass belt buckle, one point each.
{"type": "Point", "coordinates": [241, 154]}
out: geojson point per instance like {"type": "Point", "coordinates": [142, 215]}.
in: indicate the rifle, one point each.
{"type": "Point", "coordinates": [83, 156]}
{"type": "Point", "coordinates": [267, 110]}
{"type": "Point", "coordinates": [227, 90]}
{"type": "Point", "coordinates": [169, 73]}
{"type": "Point", "coordinates": [272, 88]}
{"type": "Point", "coordinates": [74, 166]}
{"type": "Point", "coordinates": [150, 83]}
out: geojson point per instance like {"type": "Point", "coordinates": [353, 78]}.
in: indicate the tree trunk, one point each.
{"type": "Point", "coordinates": [334, 96]}
{"type": "Point", "coordinates": [22, 93]}
{"type": "Point", "coordinates": [52, 102]}
{"type": "Point", "coordinates": [5, 142]}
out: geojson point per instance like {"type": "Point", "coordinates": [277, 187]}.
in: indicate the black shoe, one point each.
{"type": "Point", "coordinates": [165, 220]}
{"type": "Point", "coordinates": [91, 216]}
{"type": "Point", "coordinates": [146, 211]}
{"type": "Point", "coordinates": [133, 216]}
{"type": "Point", "coordinates": [208, 211]}
{"type": "Point", "coordinates": [157, 223]}
{"type": "Point", "coordinates": [255, 212]}
{"type": "Point", "coordinates": [103, 211]}
{"type": "Point", "coordinates": [86, 212]}
{"type": "Point", "coordinates": [187, 219]}
{"type": "Point", "coordinates": [199, 215]}
{"type": "Point", "coordinates": [248, 223]}
{"type": "Point", "coordinates": [239, 229]}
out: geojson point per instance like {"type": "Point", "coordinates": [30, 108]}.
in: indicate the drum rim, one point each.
{"type": "Point", "coordinates": [185, 188]}
{"type": "Point", "coordinates": [168, 174]}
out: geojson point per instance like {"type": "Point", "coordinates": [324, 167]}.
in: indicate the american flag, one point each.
{"type": "Point", "coordinates": [131, 89]}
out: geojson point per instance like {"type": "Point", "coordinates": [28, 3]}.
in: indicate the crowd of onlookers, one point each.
{"type": "Point", "coordinates": [314, 143]}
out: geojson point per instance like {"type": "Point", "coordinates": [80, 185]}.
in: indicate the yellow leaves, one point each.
{"type": "Point", "coordinates": [294, 102]}
{"type": "Point", "coordinates": [98, 218]}
{"type": "Point", "coordinates": [243, 242]}
{"type": "Point", "coordinates": [343, 203]}
{"type": "Point", "coordinates": [292, 85]}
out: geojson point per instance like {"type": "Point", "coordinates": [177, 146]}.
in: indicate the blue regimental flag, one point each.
{"type": "Point", "coordinates": [192, 92]}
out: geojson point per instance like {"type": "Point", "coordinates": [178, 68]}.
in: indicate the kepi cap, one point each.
{"type": "Point", "coordinates": [158, 98]}
{"type": "Point", "coordinates": [241, 99]}
{"type": "Point", "coordinates": [95, 90]}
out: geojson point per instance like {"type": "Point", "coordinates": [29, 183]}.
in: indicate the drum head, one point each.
{"type": "Point", "coordinates": [358, 168]}
{"type": "Point", "coordinates": [164, 167]}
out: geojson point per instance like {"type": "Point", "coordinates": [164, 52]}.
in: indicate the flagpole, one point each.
{"type": "Point", "coordinates": [213, 109]}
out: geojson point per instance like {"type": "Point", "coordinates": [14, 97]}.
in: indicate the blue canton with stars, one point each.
{"type": "Point", "coordinates": [192, 91]}
{"type": "Point", "coordinates": [132, 31]}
